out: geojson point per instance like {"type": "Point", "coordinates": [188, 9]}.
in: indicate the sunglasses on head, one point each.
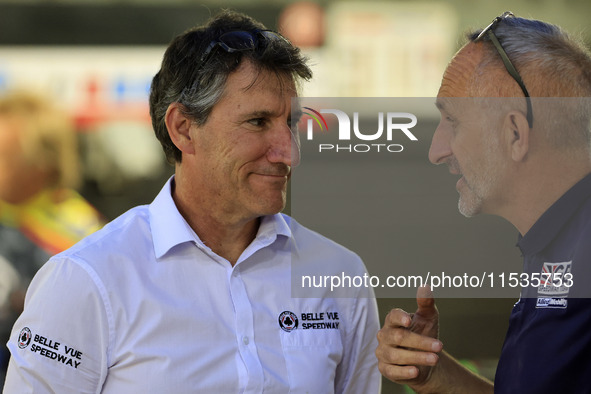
{"type": "Point", "coordinates": [240, 40]}
{"type": "Point", "coordinates": [236, 41]}
{"type": "Point", "coordinates": [489, 32]}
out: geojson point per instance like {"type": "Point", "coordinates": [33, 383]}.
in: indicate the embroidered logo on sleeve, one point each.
{"type": "Point", "coordinates": [24, 338]}
{"type": "Point", "coordinates": [556, 279]}
{"type": "Point", "coordinates": [50, 348]}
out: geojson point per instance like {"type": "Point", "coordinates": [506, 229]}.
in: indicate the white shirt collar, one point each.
{"type": "Point", "coordinates": [170, 229]}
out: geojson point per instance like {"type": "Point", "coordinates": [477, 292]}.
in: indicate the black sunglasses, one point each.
{"type": "Point", "coordinates": [240, 40]}
{"type": "Point", "coordinates": [235, 41]}
{"type": "Point", "coordinates": [488, 30]}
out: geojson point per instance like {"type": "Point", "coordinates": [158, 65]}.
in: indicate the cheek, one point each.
{"type": "Point", "coordinates": [248, 152]}
{"type": "Point", "coordinates": [466, 144]}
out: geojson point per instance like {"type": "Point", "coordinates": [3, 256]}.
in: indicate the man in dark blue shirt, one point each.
{"type": "Point", "coordinates": [548, 342]}
{"type": "Point", "coordinates": [515, 120]}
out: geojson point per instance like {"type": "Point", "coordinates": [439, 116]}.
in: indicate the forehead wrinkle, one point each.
{"type": "Point", "coordinates": [269, 87]}
{"type": "Point", "coordinates": [270, 104]}
{"type": "Point", "coordinates": [459, 73]}
{"type": "Point", "coordinates": [285, 81]}
{"type": "Point", "coordinates": [283, 84]}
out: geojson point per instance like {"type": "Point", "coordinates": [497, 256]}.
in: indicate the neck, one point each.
{"type": "Point", "coordinates": [227, 240]}
{"type": "Point", "coordinates": [225, 235]}
{"type": "Point", "coordinates": [547, 181]}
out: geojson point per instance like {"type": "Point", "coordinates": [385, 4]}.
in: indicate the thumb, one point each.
{"type": "Point", "coordinates": [426, 303]}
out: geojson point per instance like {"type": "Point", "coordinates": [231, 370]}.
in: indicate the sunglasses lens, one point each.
{"type": "Point", "coordinates": [238, 40]}
{"type": "Point", "coordinates": [271, 35]}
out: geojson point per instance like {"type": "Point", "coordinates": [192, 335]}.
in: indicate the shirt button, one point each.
{"type": "Point", "coordinates": [245, 340]}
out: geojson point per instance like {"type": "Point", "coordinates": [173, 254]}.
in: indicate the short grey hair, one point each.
{"type": "Point", "coordinates": [552, 64]}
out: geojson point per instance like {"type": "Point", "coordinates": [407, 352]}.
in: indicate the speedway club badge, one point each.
{"type": "Point", "coordinates": [24, 338]}
{"type": "Point", "coordinates": [288, 321]}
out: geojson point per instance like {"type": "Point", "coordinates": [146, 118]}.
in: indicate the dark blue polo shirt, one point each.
{"type": "Point", "coordinates": [548, 344]}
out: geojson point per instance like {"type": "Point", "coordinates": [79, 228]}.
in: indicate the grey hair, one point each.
{"type": "Point", "coordinates": [551, 64]}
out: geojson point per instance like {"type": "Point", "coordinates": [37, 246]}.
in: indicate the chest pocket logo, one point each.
{"type": "Point", "coordinates": [288, 321]}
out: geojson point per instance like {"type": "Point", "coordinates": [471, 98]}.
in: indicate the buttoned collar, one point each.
{"type": "Point", "coordinates": [170, 229]}
{"type": "Point", "coordinates": [553, 220]}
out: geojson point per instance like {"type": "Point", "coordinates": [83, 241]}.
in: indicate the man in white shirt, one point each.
{"type": "Point", "coordinates": [192, 293]}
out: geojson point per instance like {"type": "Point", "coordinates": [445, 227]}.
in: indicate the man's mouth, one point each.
{"type": "Point", "coordinates": [273, 177]}
{"type": "Point", "coordinates": [273, 174]}
{"type": "Point", "coordinates": [460, 182]}
{"type": "Point", "coordinates": [279, 172]}
{"type": "Point", "coordinates": [454, 169]}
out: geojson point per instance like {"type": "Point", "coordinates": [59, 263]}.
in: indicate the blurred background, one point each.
{"type": "Point", "coordinates": [96, 58]}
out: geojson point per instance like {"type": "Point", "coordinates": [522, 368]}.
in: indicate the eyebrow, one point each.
{"type": "Point", "coordinates": [440, 104]}
{"type": "Point", "coordinates": [263, 112]}
{"type": "Point", "coordinates": [259, 114]}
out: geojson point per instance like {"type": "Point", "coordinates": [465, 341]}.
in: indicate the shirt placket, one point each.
{"type": "Point", "coordinates": [251, 372]}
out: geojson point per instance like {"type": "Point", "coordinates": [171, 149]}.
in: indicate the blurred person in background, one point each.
{"type": "Point", "coordinates": [527, 160]}
{"type": "Point", "coordinates": [41, 214]}
{"type": "Point", "coordinates": [192, 293]}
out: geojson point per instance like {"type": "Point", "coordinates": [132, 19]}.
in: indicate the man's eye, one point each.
{"type": "Point", "coordinates": [257, 122]}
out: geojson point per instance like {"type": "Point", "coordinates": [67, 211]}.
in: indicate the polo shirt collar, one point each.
{"type": "Point", "coordinates": [551, 222]}
{"type": "Point", "coordinates": [170, 229]}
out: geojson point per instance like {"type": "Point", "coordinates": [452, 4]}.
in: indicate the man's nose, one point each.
{"type": "Point", "coordinates": [284, 147]}
{"type": "Point", "coordinates": [440, 147]}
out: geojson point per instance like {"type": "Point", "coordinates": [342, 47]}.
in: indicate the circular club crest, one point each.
{"type": "Point", "coordinates": [288, 321]}
{"type": "Point", "coordinates": [24, 338]}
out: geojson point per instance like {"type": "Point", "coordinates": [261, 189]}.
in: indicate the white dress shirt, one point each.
{"type": "Point", "coordinates": [143, 306]}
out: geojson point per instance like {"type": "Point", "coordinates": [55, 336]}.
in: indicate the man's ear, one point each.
{"type": "Point", "coordinates": [517, 135]}
{"type": "Point", "coordinates": [179, 128]}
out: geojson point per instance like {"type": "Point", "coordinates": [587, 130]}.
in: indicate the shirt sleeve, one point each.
{"type": "Point", "coordinates": [358, 371]}
{"type": "Point", "coordinates": [60, 342]}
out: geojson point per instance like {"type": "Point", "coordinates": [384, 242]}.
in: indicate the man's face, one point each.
{"type": "Point", "coordinates": [467, 139]}
{"type": "Point", "coordinates": [243, 153]}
